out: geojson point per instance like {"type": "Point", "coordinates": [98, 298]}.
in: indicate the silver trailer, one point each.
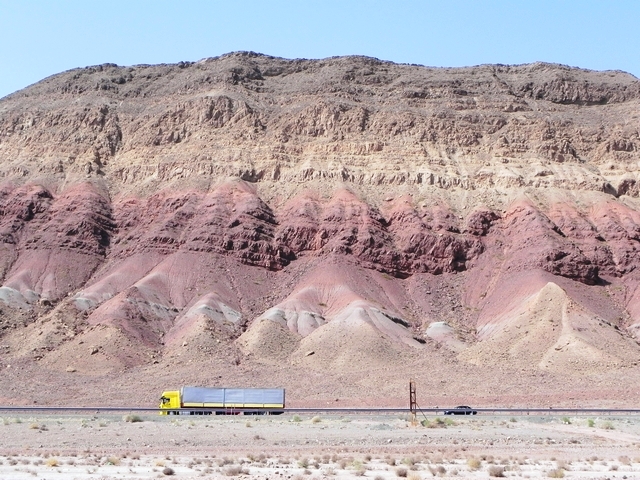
{"type": "Point", "coordinates": [233, 400]}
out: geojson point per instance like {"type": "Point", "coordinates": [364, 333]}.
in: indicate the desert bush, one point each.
{"type": "Point", "coordinates": [112, 461]}
{"type": "Point", "coordinates": [316, 419]}
{"type": "Point", "coordinates": [390, 461]}
{"type": "Point", "coordinates": [591, 422]}
{"type": "Point", "coordinates": [414, 476]}
{"type": "Point", "coordinates": [232, 470]}
{"type": "Point", "coordinates": [342, 463]}
{"type": "Point", "coordinates": [613, 467]}
{"type": "Point", "coordinates": [52, 462]}
{"type": "Point", "coordinates": [557, 473]}
{"type": "Point", "coordinates": [496, 471]}
{"type": "Point", "coordinates": [303, 462]}
{"type": "Point", "coordinates": [607, 426]}
{"type": "Point", "coordinates": [409, 461]}
{"type": "Point", "coordinates": [168, 471]}
{"type": "Point", "coordinates": [401, 472]}
{"type": "Point", "coordinates": [474, 463]}
{"type": "Point", "coordinates": [624, 460]}
{"type": "Point", "coordinates": [34, 426]}
{"type": "Point", "coordinates": [437, 423]}
{"type": "Point", "coordinates": [566, 420]}
{"type": "Point", "coordinates": [296, 418]}
{"type": "Point", "coordinates": [132, 418]}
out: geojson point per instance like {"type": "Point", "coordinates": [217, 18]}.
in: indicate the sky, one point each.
{"type": "Point", "coordinates": [39, 38]}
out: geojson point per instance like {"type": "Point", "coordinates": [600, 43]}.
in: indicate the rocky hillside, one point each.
{"type": "Point", "coordinates": [333, 226]}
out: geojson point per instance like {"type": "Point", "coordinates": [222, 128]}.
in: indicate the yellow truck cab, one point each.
{"type": "Point", "coordinates": [170, 400]}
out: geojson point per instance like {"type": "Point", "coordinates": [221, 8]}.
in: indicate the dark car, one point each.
{"type": "Point", "coordinates": [461, 410]}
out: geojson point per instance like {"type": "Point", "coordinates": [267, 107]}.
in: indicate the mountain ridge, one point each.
{"type": "Point", "coordinates": [156, 218]}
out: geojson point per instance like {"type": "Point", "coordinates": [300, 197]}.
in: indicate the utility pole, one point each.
{"type": "Point", "coordinates": [413, 404]}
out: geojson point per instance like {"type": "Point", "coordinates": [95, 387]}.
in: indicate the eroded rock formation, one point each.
{"type": "Point", "coordinates": [319, 214]}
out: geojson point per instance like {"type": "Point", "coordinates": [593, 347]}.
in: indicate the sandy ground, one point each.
{"type": "Point", "coordinates": [298, 447]}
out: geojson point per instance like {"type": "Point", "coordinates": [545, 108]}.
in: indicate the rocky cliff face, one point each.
{"type": "Point", "coordinates": [203, 211]}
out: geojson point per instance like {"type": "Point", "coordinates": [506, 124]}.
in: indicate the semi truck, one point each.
{"type": "Point", "coordinates": [222, 401]}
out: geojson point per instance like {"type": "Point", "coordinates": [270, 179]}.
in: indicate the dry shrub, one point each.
{"type": "Point", "coordinates": [132, 418]}
{"type": "Point", "coordinates": [409, 461]}
{"type": "Point", "coordinates": [224, 461]}
{"type": "Point", "coordinates": [52, 462]}
{"type": "Point", "coordinates": [557, 473]}
{"type": "Point", "coordinates": [414, 476]}
{"type": "Point", "coordinates": [401, 472]}
{"type": "Point", "coordinates": [316, 419]}
{"type": "Point", "coordinates": [474, 463]}
{"type": "Point", "coordinates": [232, 470]}
{"type": "Point", "coordinates": [113, 461]}
{"type": "Point", "coordinates": [496, 471]}
{"type": "Point", "coordinates": [624, 460]}
{"type": "Point", "coordinates": [168, 471]}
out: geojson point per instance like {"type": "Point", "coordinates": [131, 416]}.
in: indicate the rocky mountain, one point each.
{"type": "Point", "coordinates": [333, 226]}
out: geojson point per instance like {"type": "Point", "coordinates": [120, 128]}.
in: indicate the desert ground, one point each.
{"type": "Point", "coordinates": [390, 446]}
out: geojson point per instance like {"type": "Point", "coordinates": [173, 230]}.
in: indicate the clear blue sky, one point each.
{"type": "Point", "coordinates": [40, 38]}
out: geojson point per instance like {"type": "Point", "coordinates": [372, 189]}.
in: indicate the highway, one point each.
{"type": "Point", "coordinates": [344, 411]}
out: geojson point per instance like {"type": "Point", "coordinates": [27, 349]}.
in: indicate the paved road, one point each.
{"type": "Point", "coordinates": [341, 411]}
